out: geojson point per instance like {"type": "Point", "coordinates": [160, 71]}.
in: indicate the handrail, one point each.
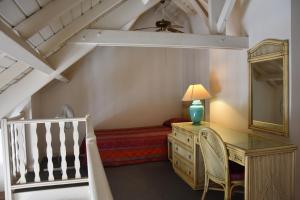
{"type": "Point", "coordinates": [18, 117]}
{"type": "Point", "coordinates": [30, 121]}
{"type": "Point", "coordinates": [99, 186]}
{"type": "Point", "coordinates": [13, 130]}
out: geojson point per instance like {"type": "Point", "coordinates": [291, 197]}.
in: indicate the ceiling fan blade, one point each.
{"type": "Point", "coordinates": [174, 30]}
{"type": "Point", "coordinates": [176, 26]}
{"type": "Point", "coordinates": [138, 29]}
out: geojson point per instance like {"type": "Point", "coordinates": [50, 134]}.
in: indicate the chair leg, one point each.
{"type": "Point", "coordinates": [206, 183]}
{"type": "Point", "coordinates": [227, 192]}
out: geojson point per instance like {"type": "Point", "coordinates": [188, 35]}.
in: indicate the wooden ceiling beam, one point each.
{"type": "Point", "coordinates": [39, 20]}
{"type": "Point", "coordinates": [35, 80]}
{"type": "Point", "coordinates": [180, 5]}
{"type": "Point", "coordinates": [12, 72]}
{"type": "Point", "coordinates": [79, 23]}
{"type": "Point", "coordinates": [225, 13]}
{"type": "Point", "coordinates": [15, 46]}
{"type": "Point", "coordinates": [67, 56]}
{"type": "Point", "coordinates": [203, 4]}
{"type": "Point", "coordinates": [129, 10]}
{"type": "Point", "coordinates": [157, 39]}
{"type": "Point", "coordinates": [214, 10]}
{"type": "Point", "coordinates": [203, 14]}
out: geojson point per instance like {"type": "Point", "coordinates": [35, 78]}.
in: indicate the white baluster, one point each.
{"type": "Point", "coordinates": [17, 148]}
{"type": "Point", "coordinates": [13, 156]}
{"type": "Point", "coordinates": [62, 138]}
{"type": "Point", "coordinates": [21, 131]}
{"type": "Point", "coordinates": [49, 151]}
{"type": "Point", "coordinates": [76, 149]}
{"type": "Point", "coordinates": [36, 165]}
{"type": "Point", "coordinates": [24, 144]}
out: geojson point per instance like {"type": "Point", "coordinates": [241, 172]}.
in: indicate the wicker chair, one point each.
{"type": "Point", "coordinates": [217, 167]}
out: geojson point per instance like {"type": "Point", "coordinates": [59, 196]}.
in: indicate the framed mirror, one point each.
{"type": "Point", "coordinates": [268, 92]}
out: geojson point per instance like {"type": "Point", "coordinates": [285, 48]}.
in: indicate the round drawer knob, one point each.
{"type": "Point", "coordinates": [188, 139]}
{"type": "Point", "coordinates": [190, 157]}
{"type": "Point", "coordinates": [190, 172]}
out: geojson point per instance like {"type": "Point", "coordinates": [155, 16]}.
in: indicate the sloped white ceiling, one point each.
{"type": "Point", "coordinates": [47, 25]}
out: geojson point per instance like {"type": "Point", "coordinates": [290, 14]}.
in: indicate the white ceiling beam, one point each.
{"type": "Point", "coordinates": [202, 14]}
{"type": "Point", "coordinates": [21, 90]}
{"type": "Point", "coordinates": [214, 10]}
{"type": "Point", "coordinates": [128, 11]}
{"type": "Point", "coordinates": [225, 13]}
{"type": "Point", "coordinates": [35, 80]}
{"type": "Point", "coordinates": [67, 56]}
{"type": "Point", "coordinates": [13, 45]}
{"type": "Point", "coordinates": [62, 78]}
{"type": "Point", "coordinates": [79, 23]}
{"type": "Point", "coordinates": [180, 5]}
{"type": "Point", "coordinates": [12, 72]}
{"type": "Point", "coordinates": [129, 25]}
{"type": "Point", "coordinates": [158, 39]}
{"type": "Point", "coordinates": [40, 19]}
{"type": "Point", "coordinates": [204, 4]}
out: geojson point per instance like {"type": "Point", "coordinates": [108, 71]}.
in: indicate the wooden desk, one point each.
{"type": "Point", "coordinates": [269, 165]}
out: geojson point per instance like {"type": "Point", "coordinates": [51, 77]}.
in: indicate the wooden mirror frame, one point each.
{"type": "Point", "coordinates": [270, 49]}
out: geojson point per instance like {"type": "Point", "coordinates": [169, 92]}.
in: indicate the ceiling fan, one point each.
{"type": "Point", "coordinates": [164, 25]}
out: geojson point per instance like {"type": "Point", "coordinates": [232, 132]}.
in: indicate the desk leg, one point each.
{"type": "Point", "coordinates": [270, 177]}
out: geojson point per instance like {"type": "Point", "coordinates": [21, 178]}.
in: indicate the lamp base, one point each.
{"type": "Point", "coordinates": [196, 112]}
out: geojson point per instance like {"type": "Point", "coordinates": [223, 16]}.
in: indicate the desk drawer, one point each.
{"type": "Point", "coordinates": [183, 167]}
{"type": "Point", "coordinates": [183, 152]}
{"type": "Point", "coordinates": [236, 156]}
{"type": "Point", "coordinates": [184, 137]}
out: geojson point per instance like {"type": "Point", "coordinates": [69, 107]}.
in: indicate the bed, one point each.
{"type": "Point", "coordinates": [132, 145]}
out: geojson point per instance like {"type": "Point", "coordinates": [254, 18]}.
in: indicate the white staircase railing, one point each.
{"type": "Point", "coordinates": [15, 160]}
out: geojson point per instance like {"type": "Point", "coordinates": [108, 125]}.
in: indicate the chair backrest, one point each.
{"type": "Point", "coordinates": [214, 154]}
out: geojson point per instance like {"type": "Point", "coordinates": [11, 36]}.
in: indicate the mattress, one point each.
{"type": "Point", "coordinates": [132, 145]}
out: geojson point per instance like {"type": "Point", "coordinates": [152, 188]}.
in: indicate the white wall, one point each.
{"type": "Point", "coordinates": [229, 69]}
{"type": "Point", "coordinates": [1, 165]}
{"type": "Point", "coordinates": [125, 87]}
{"type": "Point", "coordinates": [294, 86]}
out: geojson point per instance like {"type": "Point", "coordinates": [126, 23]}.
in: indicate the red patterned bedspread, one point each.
{"type": "Point", "coordinates": [132, 145]}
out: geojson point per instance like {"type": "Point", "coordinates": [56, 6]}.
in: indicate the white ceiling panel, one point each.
{"type": "Point", "coordinates": [10, 12]}
{"type": "Point", "coordinates": [28, 6]}
{"type": "Point", "coordinates": [2, 69]}
{"type": "Point", "coordinates": [94, 2]}
{"type": "Point", "coordinates": [36, 39]}
{"type": "Point", "coordinates": [76, 11]}
{"type": "Point", "coordinates": [11, 73]}
{"type": "Point", "coordinates": [56, 25]}
{"type": "Point", "coordinates": [86, 5]}
{"type": "Point", "coordinates": [7, 61]}
{"type": "Point", "coordinates": [66, 18]}
{"type": "Point", "coordinates": [42, 3]}
{"type": "Point", "coordinates": [16, 79]}
{"type": "Point", "coordinates": [46, 32]}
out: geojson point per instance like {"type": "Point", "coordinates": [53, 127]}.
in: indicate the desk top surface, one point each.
{"type": "Point", "coordinates": [244, 141]}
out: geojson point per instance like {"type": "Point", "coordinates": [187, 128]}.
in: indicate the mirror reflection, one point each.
{"type": "Point", "coordinates": [267, 88]}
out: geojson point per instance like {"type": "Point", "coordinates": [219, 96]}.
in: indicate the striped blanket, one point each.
{"type": "Point", "coordinates": [132, 145]}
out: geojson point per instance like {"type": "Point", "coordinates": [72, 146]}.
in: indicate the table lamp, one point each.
{"type": "Point", "coordinates": [196, 93]}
